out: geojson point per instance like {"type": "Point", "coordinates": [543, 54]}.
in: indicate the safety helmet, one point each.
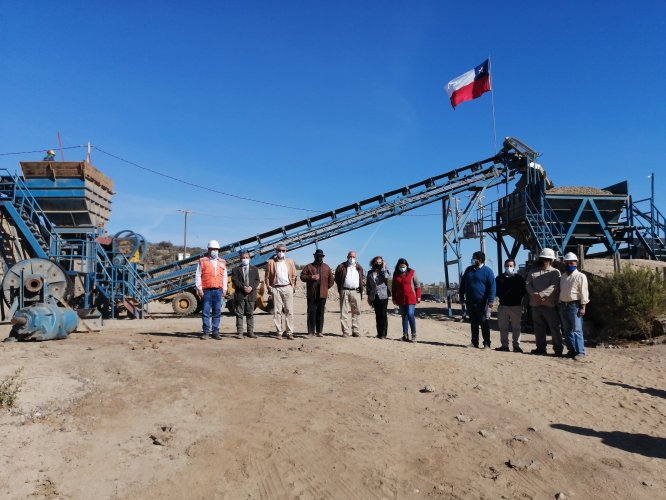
{"type": "Point", "coordinates": [214, 244]}
{"type": "Point", "coordinates": [547, 253]}
{"type": "Point", "coordinates": [570, 256]}
{"type": "Point", "coordinates": [50, 152]}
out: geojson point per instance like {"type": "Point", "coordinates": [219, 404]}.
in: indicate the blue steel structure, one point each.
{"type": "Point", "coordinates": [108, 276]}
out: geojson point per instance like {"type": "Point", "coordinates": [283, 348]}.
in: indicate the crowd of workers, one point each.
{"type": "Point", "coordinates": [557, 301]}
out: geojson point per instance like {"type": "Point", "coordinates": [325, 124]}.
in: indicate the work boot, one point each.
{"type": "Point", "coordinates": [251, 335]}
{"type": "Point", "coordinates": [413, 338]}
{"type": "Point", "coordinates": [10, 339]}
{"type": "Point", "coordinates": [204, 336]}
{"type": "Point", "coordinates": [239, 335]}
{"type": "Point", "coordinates": [216, 335]}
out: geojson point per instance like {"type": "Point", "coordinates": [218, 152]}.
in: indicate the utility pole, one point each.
{"type": "Point", "coordinates": [186, 212]}
{"type": "Point", "coordinates": [482, 239]}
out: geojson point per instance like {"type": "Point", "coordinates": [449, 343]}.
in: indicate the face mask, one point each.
{"type": "Point", "coordinates": [475, 262]}
{"type": "Point", "coordinates": [402, 269]}
{"type": "Point", "coordinates": [542, 262]}
{"type": "Point", "coordinates": [280, 255]}
{"type": "Point", "coordinates": [214, 254]}
{"type": "Point", "coordinates": [570, 268]}
{"type": "Point", "coordinates": [245, 262]}
{"type": "Point", "coordinates": [319, 259]}
{"type": "Point", "coordinates": [351, 261]}
{"type": "Point", "coordinates": [509, 270]}
{"type": "Point", "coordinates": [378, 265]}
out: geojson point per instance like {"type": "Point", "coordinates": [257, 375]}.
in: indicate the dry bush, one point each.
{"type": "Point", "coordinates": [623, 306]}
{"type": "Point", "coordinates": [10, 386]}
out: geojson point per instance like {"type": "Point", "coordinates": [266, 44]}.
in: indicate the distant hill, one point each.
{"type": "Point", "coordinates": [165, 252]}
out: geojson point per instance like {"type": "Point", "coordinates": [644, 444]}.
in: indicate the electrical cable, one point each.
{"type": "Point", "coordinates": [182, 181]}
{"type": "Point", "coordinates": [39, 150]}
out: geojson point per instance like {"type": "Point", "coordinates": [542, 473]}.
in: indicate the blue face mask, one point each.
{"type": "Point", "coordinates": [402, 269]}
{"type": "Point", "coordinates": [570, 268]}
{"type": "Point", "coordinates": [473, 262]}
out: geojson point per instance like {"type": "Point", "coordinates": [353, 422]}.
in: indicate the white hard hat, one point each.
{"type": "Point", "coordinates": [570, 256]}
{"type": "Point", "coordinates": [547, 253]}
{"type": "Point", "coordinates": [214, 244]}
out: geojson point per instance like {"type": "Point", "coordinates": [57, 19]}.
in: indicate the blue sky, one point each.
{"type": "Point", "coordinates": [317, 105]}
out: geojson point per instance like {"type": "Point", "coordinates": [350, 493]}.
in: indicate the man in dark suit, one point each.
{"type": "Point", "coordinates": [245, 279]}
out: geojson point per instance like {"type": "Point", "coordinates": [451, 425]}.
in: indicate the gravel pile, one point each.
{"type": "Point", "coordinates": [584, 190]}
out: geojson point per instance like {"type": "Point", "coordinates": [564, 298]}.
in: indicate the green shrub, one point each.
{"type": "Point", "coordinates": [624, 305]}
{"type": "Point", "coordinates": [10, 386]}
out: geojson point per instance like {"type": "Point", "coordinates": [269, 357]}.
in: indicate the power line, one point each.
{"type": "Point", "coordinates": [182, 181]}
{"type": "Point", "coordinates": [38, 151]}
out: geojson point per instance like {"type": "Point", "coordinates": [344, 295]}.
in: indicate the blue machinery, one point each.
{"type": "Point", "coordinates": [56, 212]}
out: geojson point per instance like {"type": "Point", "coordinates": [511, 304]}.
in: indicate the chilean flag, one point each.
{"type": "Point", "coordinates": [469, 85]}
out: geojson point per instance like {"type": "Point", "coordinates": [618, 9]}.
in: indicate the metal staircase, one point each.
{"type": "Point", "coordinates": [545, 227]}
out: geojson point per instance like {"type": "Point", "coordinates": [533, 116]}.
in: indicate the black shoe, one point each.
{"type": "Point", "coordinates": [404, 339]}
{"type": "Point", "coordinates": [251, 335]}
{"type": "Point", "coordinates": [570, 354]}
{"type": "Point", "coordinates": [517, 349]}
{"type": "Point", "coordinates": [558, 354]}
{"type": "Point", "coordinates": [239, 336]}
{"type": "Point", "coordinates": [502, 349]}
{"type": "Point", "coordinates": [216, 336]}
{"type": "Point", "coordinates": [539, 352]}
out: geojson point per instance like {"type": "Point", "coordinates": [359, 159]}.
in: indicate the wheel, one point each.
{"type": "Point", "coordinates": [185, 303]}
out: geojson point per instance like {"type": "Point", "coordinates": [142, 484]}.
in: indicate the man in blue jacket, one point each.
{"type": "Point", "coordinates": [477, 291]}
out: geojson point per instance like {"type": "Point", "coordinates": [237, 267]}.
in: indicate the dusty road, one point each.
{"type": "Point", "coordinates": [147, 410]}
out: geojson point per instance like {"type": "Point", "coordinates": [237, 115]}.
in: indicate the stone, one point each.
{"type": "Point", "coordinates": [521, 438]}
{"type": "Point", "coordinates": [463, 418]}
{"type": "Point", "coordinates": [484, 433]}
{"type": "Point", "coordinates": [527, 464]}
{"type": "Point", "coordinates": [533, 429]}
{"type": "Point", "coordinates": [561, 495]}
{"type": "Point", "coordinates": [428, 388]}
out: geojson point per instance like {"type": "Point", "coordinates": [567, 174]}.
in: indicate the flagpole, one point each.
{"type": "Point", "coordinates": [492, 94]}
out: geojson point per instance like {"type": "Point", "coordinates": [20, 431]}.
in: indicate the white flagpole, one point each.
{"type": "Point", "coordinates": [492, 93]}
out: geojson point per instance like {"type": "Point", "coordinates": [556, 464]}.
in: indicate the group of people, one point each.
{"type": "Point", "coordinates": [557, 302]}
{"type": "Point", "coordinates": [280, 278]}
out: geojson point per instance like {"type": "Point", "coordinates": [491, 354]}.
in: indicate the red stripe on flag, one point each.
{"type": "Point", "coordinates": [471, 91]}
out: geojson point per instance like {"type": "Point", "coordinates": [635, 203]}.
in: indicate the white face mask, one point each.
{"type": "Point", "coordinates": [280, 254]}
{"type": "Point", "coordinates": [351, 261]}
{"type": "Point", "coordinates": [214, 254]}
{"type": "Point", "coordinates": [402, 269]}
{"type": "Point", "coordinates": [509, 269]}
{"type": "Point", "coordinates": [245, 262]}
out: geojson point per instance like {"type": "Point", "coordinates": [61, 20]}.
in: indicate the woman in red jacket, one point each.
{"type": "Point", "coordinates": [406, 290]}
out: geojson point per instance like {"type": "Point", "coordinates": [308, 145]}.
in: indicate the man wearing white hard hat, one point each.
{"type": "Point", "coordinates": [543, 288]}
{"type": "Point", "coordinates": [574, 296]}
{"type": "Point", "coordinates": [210, 281]}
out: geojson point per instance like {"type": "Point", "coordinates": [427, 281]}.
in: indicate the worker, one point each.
{"type": "Point", "coordinates": [510, 291]}
{"type": "Point", "coordinates": [574, 296]}
{"type": "Point", "coordinates": [318, 278]}
{"type": "Point", "coordinates": [543, 288]}
{"type": "Point", "coordinates": [281, 281]}
{"type": "Point", "coordinates": [378, 291]}
{"type": "Point", "coordinates": [406, 290]}
{"type": "Point", "coordinates": [245, 279]}
{"type": "Point", "coordinates": [477, 292]}
{"type": "Point", "coordinates": [210, 281]}
{"type": "Point", "coordinates": [50, 155]}
{"type": "Point", "coordinates": [350, 280]}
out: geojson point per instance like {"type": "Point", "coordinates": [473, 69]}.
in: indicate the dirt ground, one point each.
{"type": "Point", "coordinates": [147, 410]}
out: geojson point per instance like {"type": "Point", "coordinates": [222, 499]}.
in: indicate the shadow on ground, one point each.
{"type": "Point", "coordinates": [658, 393]}
{"type": "Point", "coordinates": [648, 446]}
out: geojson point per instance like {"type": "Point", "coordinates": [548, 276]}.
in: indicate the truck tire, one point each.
{"type": "Point", "coordinates": [184, 303]}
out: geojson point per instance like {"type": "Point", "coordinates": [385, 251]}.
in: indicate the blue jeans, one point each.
{"type": "Point", "coordinates": [572, 327]}
{"type": "Point", "coordinates": [212, 299]}
{"type": "Point", "coordinates": [407, 313]}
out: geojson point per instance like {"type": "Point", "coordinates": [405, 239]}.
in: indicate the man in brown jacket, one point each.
{"type": "Point", "coordinates": [543, 288]}
{"type": "Point", "coordinates": [281, 280]}
{"type": "Point", "coordinates": [318, 279]}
